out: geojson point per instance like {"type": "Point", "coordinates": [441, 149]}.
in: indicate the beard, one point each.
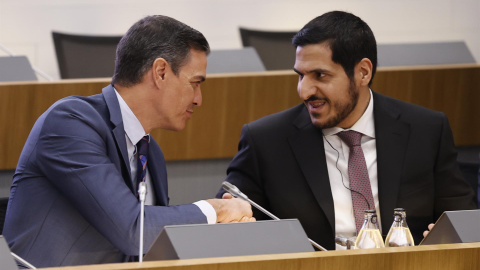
{"type": "Point", "coordinates": [342, 109]}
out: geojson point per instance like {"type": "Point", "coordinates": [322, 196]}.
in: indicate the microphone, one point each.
{"type": "Point", "coordinates": [235, 191]}
{"type": "Point", "coordinates": [142, 191]}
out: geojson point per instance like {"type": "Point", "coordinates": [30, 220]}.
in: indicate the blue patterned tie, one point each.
{"type": "Point", "coordinates": [142, 153]}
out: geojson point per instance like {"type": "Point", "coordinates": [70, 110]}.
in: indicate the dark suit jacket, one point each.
{"type": "Point", "coordinates": [281, 166]}
{"type": "Point", "coordinates": [72, 199]}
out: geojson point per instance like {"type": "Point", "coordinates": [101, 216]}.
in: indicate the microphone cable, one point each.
{"type": "Point", "coordinates": [341, 174]}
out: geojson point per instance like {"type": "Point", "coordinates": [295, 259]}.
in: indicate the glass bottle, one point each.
{"type": "Point", "coordinates": [399, 234]}
{"type": "Point", "coordinates": [369, 236]}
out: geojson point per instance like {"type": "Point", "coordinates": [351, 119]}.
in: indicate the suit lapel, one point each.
{"type": "Point", "coordinates": [391, 138]}
{"type": "Point", "coordinates": [308, 149]}
{"type": "Point", "coordinates": [158, 173]}
{"type": "Point", "coordinates": [118, 130]}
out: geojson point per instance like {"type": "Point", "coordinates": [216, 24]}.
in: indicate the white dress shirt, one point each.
{"type": "Point", "coordinates": [342, 200]}
{"type": "Point", "coordinates": [134, 132]}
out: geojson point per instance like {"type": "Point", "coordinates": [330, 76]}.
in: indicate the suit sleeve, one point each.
{"type": "Point", "coordinates": [75, 151]}
{"type": "Point", "coordinates": [452, 192]}
{"type": "Point", "coordinates": [244, 173]}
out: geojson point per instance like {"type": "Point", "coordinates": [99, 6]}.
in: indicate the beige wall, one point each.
{"type": "Point", "coordinates": [26, 25]}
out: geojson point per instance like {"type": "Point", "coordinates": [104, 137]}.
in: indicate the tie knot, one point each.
{"type": "Point", "coordinates": [142, 146]}
{"type": "Point", "coordinates": [350, 137]}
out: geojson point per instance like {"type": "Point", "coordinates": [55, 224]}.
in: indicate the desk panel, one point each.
{"type": "Point", "coordinates": [438, 257]}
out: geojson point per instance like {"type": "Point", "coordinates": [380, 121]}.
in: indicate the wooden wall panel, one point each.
{"type": "Point", "coordinates": [231, 100]}
{"type": "Point", "coordinates": [228, 103]}
{"type": "Point", "coordinates": [452, 90]}
{"type": "Point", "coordinates": [22, 103]}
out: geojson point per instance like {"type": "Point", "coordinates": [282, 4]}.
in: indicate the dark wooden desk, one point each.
{"type": "Point", "coordinates": [231, 100]}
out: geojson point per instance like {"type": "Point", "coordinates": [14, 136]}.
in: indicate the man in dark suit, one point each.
{"type": "Point", "coordinates": [296, 163]}
{"type": "Point", "coordinates": [74, 194]}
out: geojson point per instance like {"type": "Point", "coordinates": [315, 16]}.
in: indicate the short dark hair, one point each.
{"type": "Point", "coordinates": [155, 37]}
{"type": "Point", "coordinates": [349, 38]}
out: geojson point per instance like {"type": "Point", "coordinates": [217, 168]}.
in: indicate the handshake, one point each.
{"type": "Point", "coordinates": [230, 209]}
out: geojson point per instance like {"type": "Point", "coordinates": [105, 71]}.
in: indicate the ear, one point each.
{"type": "Point", "coordinates": [159, 69]}
{"type": "Point", "coordinates": [363, 72]}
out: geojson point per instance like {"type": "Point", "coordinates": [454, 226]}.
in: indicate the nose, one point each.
{"type": "Point", "coordinates": [305, 88]}
{"type": "Point", "coordinates": [197, 100]}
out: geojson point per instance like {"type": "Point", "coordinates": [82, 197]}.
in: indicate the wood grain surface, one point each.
{"type": "Point", "coordinates": [231, 100]}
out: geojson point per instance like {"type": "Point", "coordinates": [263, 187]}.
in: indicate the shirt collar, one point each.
{"type": "Point", "coordinates": [133, 128]}
{"type": "Point", "coordinates": [364, 125]}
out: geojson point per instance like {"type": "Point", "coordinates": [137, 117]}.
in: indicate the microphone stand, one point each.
{"type": "Point", "coordinates": [22, 261]}
{"type": "Point", "coordinates": [142, 191]}
{"type": "Point", "coordinates": [232, 189]}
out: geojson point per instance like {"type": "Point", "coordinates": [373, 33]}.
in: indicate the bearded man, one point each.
{"type": "Point", "coordinates": [346, 148]}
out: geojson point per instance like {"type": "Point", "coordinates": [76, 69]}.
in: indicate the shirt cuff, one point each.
{"type": "Point", "coordinates": [208, 210]}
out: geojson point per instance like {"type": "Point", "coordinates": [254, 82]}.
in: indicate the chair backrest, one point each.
{"type": "Point", "coordinates": [81, 56]}
{"type": "Point", "coordinates": [274, 47]}
{"type": "Point", "coordinates": [3, 212]}
{"type": "Point", "coordinates": [16, 68]}
{"type": "Point", "coordinates": [236, 60]}
{"type": "Point", "coordinates": [431, 53]}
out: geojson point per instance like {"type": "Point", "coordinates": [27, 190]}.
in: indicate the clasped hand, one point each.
{"type": "Point", "coordinates": [230, 209]}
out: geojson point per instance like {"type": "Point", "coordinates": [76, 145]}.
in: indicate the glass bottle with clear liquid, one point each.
{"type": "Point", "coordinates": [369, 236]}
{"type": "Point", "coordinates": [399, 234]}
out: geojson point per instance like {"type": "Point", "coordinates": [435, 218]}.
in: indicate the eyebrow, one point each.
{"type": "Point", "coordinates": [318, 70]}
{"type": "Point", "coordinates": [200, 77]}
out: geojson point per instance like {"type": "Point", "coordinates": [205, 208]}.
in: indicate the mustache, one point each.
{"type": "Point", "coordinates": [313, 98]}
